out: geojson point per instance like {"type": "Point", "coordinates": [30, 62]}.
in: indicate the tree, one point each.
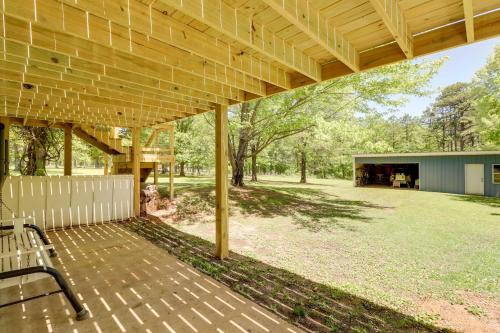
{"type": "Point", "coordinates": [450, 118]}
{"type": "Point", "coordinates": [183, 143]}
{"type": "Point", "coordinates": [193, 148]}
{"type": "Point", "coordinates": [486, 93]}
{"type": "Point", "coordinates": [257, 124]}
{"type": "Point", "coordinates": [39, 145]}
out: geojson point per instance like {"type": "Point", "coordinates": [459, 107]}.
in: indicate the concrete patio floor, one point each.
{"type": "Point", "coordinates": [130, 285]}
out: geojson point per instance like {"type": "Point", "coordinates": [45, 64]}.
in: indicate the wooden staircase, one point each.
{"type": "Point", "coordinates": [106, 140]}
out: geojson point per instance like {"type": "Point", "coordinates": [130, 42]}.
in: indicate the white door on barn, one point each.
{"type": "Point", "coordinates": [474, 179]}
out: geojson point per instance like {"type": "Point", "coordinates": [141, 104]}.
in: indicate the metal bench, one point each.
{"type": "Point", "coordinates": [25, 255]}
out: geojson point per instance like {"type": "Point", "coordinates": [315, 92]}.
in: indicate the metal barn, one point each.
{"type": "Point", "coordinates": [450, 172]}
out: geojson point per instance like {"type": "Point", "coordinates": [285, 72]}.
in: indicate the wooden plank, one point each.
{"type": "Point", "coordinates": [106, 161]}
{"type": "Point", "coordinates": [450, 36]}
{"type": "Point", "coordinates": [155, 173]}
{"type": "Point", "coordinates": [237, 25]}
{"type": "Point", "coordinates": [303, 15]}
{"type": "Point", "coordinates": [469, 20]}
{"type": "Point", "coordinates": [68, 150]}
{"type": "Point", "coordinates": [133, 44]}
{"type": "Point", "coordinates": [67, 51]}
{"type": "Point", "coordinates": [221, 188]}
{"type": "Point", "coordinates": [136, 168]}
{"type": "Point", "coordinates": [393, 17]}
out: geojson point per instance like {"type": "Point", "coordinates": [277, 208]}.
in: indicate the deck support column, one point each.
{"type": "Point", "coordinates": [4, 150]}
{"type": "Point", "coordinates": [68, 150]}
{"type": "Point", "coordinates": [106, 158]}
{"type": "Point", "coordinates": [221, 204]}
{"type": "Point", "coordinates": [171, 180]}
{"type": "Point", "coordinates": [155, 173]}
{"type": "Point", "coordinates": [171, 165]}
{"type": "Point", "coordinates": [136, 168]}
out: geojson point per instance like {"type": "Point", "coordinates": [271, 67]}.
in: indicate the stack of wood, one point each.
{"type": "Point", "coordinates": [150, 200]}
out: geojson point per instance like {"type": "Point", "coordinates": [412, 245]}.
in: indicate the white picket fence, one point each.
{"type": "Point", "coordinates": [65, 201]}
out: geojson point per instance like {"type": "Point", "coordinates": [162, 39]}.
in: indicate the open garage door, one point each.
{"type": "Point", "coordinates": [396, 175]}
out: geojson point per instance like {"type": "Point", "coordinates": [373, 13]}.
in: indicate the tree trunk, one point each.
{"type": "Point", "coordinates": [182, 172]}
{"type": "Point", "coordinates": [238, 172]}
{"type": "Point", "coordinates": [254, 164]}
{"type": "Point", "coordinates": [303, 165]}
{"type": "Point", "coordinates": [39, 161]}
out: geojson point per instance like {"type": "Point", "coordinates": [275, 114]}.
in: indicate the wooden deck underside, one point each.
{"type": "Point", "coordinates": [130, 285]}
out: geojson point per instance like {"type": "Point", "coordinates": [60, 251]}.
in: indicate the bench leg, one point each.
{"type": "Point", "coordinates": [81, 312]}
{"type": "Point", "coordinates": [42, 236]}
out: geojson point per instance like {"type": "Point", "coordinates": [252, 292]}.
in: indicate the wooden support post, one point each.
{"type": "Point", "coordinates": [469, 20]}
{"type": "Point", "coordinates": [172, 163]}
{"type": "Point", "coordinates": [221, 205]}
{"type": "Point", "coordinates": [6, 138]}
{"type": "Point", "coordinates": [3, 157]}
{"type": "Point", "coordinates": [106, 158]}
{"type": "Point", "coordinates": [68, 150]}
{"type": "Point", "coordinates": [114, 133]}
{"type": "Point", "coordinates": [171, 180]}
{"type": "Point", "coordinates": [136, 168]}
{"type": "Point", "coordinates": [155, 172]}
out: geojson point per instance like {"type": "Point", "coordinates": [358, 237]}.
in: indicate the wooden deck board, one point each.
{"type": "Point", "coordinates": [130, 285]}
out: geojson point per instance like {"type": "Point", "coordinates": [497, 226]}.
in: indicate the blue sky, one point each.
{"type": "Point", "coordinates": [461, 65]}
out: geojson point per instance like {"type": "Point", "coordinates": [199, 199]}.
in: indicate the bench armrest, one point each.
{"type": "Point", "coordinates": [17, 222]}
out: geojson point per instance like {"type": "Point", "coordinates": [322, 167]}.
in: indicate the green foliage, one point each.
{"type": "Point", "coordinates": [486, 88]}
{"type": "Point", "coordinates": [194, 143]}
{"type": "Point", "coordinates": [299, 311]}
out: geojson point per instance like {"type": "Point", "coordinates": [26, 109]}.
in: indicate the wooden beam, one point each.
{"type": "Point", "coordinates": [221, 201]}
{"type": "Point", "coordinates": [93, 141]}
{"type": "Point", "coordinates": [393, 17]}
{"type": "Point", "coordinates": [139, 47]}
{"type": "Point", "coordinates": [155, 173]}
{"type": "Point", "coordinates": [152, 137]}
{"type": "Point", "coordinates": [172, 163]}
{"type": "Point", "coordinates": [136, 168]}
{"type": "Point", "coordinates": [106, 161]}
{"type": "Point", "coordinates": [107, 61]}
{"type": "Point", "coordinates": [5, 153]}
{"type": "Point", "coordinates": [68, 150]}
{"type": "Point", "coordinates": [469, 20]}
{"type": "Point", "coordinates": [308, 19]}
{"type": "Point", "coordinates": [450, 36]}
{"type": "Point", "coordinates": [239, 26]}
{"type": "Point", "coordinates": [171, 180]}
{"type": "Point", "coordinates": [34, 122]}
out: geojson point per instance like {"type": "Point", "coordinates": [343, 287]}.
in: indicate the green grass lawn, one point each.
{"type": "Point", "coordinates": [419, 252]}
{"type": "Point", "coordinates": [76, 171]}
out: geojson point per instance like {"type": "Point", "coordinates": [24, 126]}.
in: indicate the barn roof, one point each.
{"type": "Point", "coordinates": [449, 153]}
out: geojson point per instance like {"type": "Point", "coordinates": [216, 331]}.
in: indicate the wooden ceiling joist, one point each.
{"type": "Point", "coordinates": [146, 62]}
{"type": "Point", "coordinates": [52, 86]}
{"type": "Point", "coordinates": [109, 34]}
{"type": "Point", "coordinates": [86, 103]}
{"type": "Point", "coordinates": [469, 20]}
{"type": "Point", "coordinates": [303, 15]}
{"type": "Point", "coordinates": [40, 45]}
{"type": "Point", "coordinates": [237, 25]}
{"type": "Point", "coordinates": [118, 113]}
{"type": "Point", "coordinates": [156, 25]}
{"type": "Point", "coordinates": [393, 17]}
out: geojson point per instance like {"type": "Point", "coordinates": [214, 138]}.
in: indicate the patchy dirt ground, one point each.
{"type": "Point", "coordinates": [479, 315]}
{"type": "Point", "coordinates": [438, 264]}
